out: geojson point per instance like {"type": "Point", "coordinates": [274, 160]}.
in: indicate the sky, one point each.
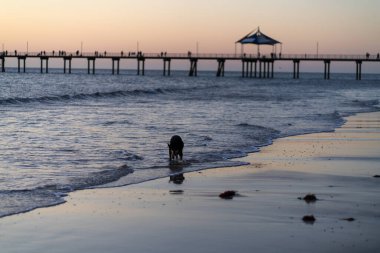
{"type": "Point", "coordinates": [178, 26]}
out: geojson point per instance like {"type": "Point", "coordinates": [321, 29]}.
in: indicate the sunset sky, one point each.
{"type": "Point", "coordinates": [339, 26]}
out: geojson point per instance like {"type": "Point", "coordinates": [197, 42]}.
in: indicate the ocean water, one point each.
{"type": "Point", "coordinates": [61, 133]}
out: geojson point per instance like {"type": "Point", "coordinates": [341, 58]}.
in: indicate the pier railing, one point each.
{"type": "Point", "coordinates": [278, 56]}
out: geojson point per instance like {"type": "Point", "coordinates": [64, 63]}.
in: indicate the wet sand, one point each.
{"type": "Point", "coordinates": [264, 216]}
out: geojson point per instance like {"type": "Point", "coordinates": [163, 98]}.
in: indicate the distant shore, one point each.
{"type": "Point", "coordinates": [267, 213]}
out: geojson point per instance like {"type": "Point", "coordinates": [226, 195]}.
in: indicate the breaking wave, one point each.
{"type": "Point", "coordinates": [53, 194]}
{"type": "Point", "coordinates": [82, 96]}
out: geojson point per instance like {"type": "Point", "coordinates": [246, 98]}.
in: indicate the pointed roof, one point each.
{"type": "Point", "coordinates": [258, 38]}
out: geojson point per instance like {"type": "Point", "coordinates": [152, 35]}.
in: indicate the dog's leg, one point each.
{"type": "Point", "coordinates": [170, 152]}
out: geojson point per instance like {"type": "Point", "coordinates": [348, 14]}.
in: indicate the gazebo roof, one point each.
{"type": "Point", "coordinates": [258, 38]}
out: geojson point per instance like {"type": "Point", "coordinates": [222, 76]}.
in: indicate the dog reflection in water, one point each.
{"type": "Point", "coordinates": [177, 179]}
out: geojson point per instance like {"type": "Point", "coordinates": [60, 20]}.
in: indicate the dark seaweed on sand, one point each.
{"type": "Point", "coordinates": [309, 198]}
{"type": "Point", "coordinates": [227, 195]}
{"type": "Point", "coordinates": [309, 219]}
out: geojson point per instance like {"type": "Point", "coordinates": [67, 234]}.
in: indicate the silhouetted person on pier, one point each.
{"type": "Point", "coordinates": [378, 56]}
{"type": "Point", "coordinates": [15, 52]}
{"type": "Point", "coordinates": [367, 55]}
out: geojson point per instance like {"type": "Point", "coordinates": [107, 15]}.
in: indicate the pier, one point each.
{"type": "Point", "coordinates": [253, 66]}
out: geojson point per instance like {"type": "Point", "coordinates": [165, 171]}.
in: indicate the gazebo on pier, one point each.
{"type": "Point", "coordinates": [258, 38]}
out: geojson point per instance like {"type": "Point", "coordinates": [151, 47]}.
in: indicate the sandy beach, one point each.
{"type": "Point", "coordinates": [266, 214]}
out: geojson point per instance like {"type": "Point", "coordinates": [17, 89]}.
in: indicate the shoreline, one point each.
{"type": "Point", "coordinates": [265, 215]}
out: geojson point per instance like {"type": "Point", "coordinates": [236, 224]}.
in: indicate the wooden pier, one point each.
{"type": "Point", "coordinates": [253, 66]}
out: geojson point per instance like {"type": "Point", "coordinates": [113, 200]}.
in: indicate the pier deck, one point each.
{"type": "Point", "coordinates": [258, 66]}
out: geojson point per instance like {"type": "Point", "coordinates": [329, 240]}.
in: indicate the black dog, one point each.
{"type": "Point", "coordinates": [175, 147]}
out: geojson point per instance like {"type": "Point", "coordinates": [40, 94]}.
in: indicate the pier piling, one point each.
{"type": "Point", "coordinates": [64, 64]}
{"type": "Point", "coordinates": [358, 70]}
{"type": "Point", "coordinates": [220, 71]}
{"type": "Point", "coordinates": [193, 67]}
{"type": "Point", "coordinates": [46, 60]}
{"type": "Point", "coordinates": [270, 72]}
{"type": "Point", "coordinates": [327, 69]}
{"type": "Point", "coordinates": [251, 70]}
{"type": "Point", "coordinates": [141, 61]}
{"type": "Point", "coordinates": [260, 68]}
{"type": "Point", "coordinates": [296, 69]}
{"type": "Point", "coordinates": [247, 68]}
{"type": "Point", "coordinates": [243, 62]}
{"type": "Point", "coordinates": [265, 69]}
{"type": "Point", "coordinates": [272, 69]}
{"type": "Point", "coordinates": [167, 62]}
{"type": "Point", "coordinates": [117, 61]}
{"type": "Point", "coordinates": [19, 58]}
{"type": "Point", "coordinates": [2, 64]}
{"type": "Point", "coordinates": [89, 60]}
